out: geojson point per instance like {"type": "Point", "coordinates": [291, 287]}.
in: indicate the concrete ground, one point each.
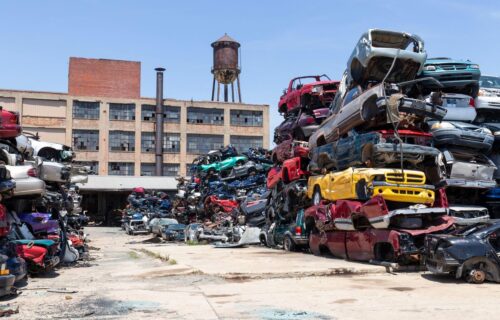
{"type": "Point", "coordinates": [130, 279]}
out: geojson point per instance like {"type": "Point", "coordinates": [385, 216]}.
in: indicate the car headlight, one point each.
{"type": "Point", "coordinates": [486, 130]}
{"type": "Point", "coordinates": [474, 66]}
{"type": "Point", "coordinates": [317, 89]}
{"type": "Point", "coordinates": [430, 68]}
{"type": "Point", "coordinates": [486, 93]}
{"type": "Point", "coordinates": [442, 125]}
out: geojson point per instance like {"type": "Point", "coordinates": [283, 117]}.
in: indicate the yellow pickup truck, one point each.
{"type": "Point", "coordinates": [364, 183]}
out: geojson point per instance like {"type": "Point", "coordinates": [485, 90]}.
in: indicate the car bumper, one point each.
{"type": "Point", "coordinates": [401, 193]}
{"type": "Point", "coordinates": [470, 221]}
{"type": "Point", "coordinates": [29, 187]}
{"type": "Point", "coordinates": [483, 184]}
{"type": "Point", "coordinates": [457, 137]}
{"type": "Point", "coordinates": [417, 107]}
{"type": "Point", "coordinates": [484, 102]}
{"type": "Point", "coordinates": [51, 262]}
{"type": "Point", "coordinates": [300, 241]}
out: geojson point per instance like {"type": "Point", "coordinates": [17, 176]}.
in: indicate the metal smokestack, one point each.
{"type": "Point", "coordinates": [159, 122]}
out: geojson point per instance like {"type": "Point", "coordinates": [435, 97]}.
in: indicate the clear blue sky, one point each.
{"type": "Point", "coordinates": [280, 39]}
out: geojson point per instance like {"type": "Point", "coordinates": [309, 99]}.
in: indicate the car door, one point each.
{"type": "Point", "coordinates": [359, 245]}
{"type": "Point", "coordinates": [343, 150]}
{"type": "Point", "coordinates": [340, 185]}
{"type": "Point", "coordinates": [293, 96]}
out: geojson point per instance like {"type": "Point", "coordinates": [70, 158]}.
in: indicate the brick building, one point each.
{"type": "Point", "coordinates": [104, 118]}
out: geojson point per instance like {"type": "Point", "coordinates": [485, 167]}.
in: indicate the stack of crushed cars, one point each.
{"type": "Point", "coordinates": [304, 106]}
{"type": "Point", "coordinates": [225, 198]}
{"type": "Point", "coordinates": [39, 203]}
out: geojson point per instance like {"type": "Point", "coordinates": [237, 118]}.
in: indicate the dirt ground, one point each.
{"type": "Point", "coordinates": [129, 279]}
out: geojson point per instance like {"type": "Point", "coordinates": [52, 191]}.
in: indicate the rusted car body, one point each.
{"type": "Point", "coordinates": [365, 243]}
{"type": "Point", "coordinates": [301, 126]}
{"type": "Point", "coordinates": [376, 148]}
{"type": "Point", "coordinates": [288, 149]}
{"type": "Point", "coordinates": [316, 92]}
{"type": "Point", "coordinates": [368, 108]}
{"type": "Point", "coordinates": [468, 169]}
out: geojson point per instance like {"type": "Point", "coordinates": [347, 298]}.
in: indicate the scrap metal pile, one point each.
{"type": "Point", "coordinates": [40, 215]}
{"type": "Point", "coordinates": [402, 148]}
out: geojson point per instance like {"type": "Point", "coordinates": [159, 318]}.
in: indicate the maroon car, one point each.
{"type": "Point", "coordinates": [308, 92]}
{"type": "Point", "coordinates": [9, 125]}
{"type": "Point", "coordinates": [288, 149]}
{"type": "Point", "coordinates": [301, 126]}
{"type": "Point", "coordinates": [363, 232]}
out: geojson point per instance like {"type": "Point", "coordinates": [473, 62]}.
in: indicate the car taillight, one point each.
{"type": "Point", "coordinates": [472, 102]}
{"type": "Point", "coordinates": [298, 230]}
{"type": "Point", "coordinates": [32, 172]}
{"type": "Point", "coordinates": [309, 120]}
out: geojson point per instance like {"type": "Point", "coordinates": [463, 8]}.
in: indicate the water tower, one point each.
{"type": "Point", "coordinates": [226, 67]}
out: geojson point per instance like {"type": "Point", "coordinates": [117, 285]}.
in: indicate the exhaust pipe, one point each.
{"type": "Point", "coordinates": [159, 122]}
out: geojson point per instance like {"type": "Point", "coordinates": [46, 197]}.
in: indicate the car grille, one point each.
{"type": "Point", "coordinates": [451, 67]}
{"type": "Point", "coordinates": [409, 178]}
{"type": "Point", "coordinates": [406, 192]}
{"type": "Point", "coordinates": [456, 76]}
{"type": "Point", "coordinates": [494, 104]}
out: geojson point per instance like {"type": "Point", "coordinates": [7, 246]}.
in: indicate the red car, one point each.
{"type": "Point", "coordinates": [369, 231]}
{"type": "Point", "coordinates": [289, 149]}
{"type": "Point", "coordinates": [291, 170]}
{"type": "Point", "coordinates": [308, 92]}
{"type": "Point", "coordinates": [9, 127]}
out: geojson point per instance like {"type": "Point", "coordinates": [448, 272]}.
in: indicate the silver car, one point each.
{"type": "Point", "coordinates": [375, 52]}
{"type": "Point", "coordinates": [156, 224]}
{"type": "Point", "coordinates": [27, 183]}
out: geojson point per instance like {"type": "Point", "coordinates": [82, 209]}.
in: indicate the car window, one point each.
{"type": "Point", "coordinates": [489, 82]}
{"type": "Point", "coordinates": [351, 95]}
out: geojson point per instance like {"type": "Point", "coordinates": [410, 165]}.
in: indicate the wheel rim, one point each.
{"type": "Point", "coordinates": [316, 198]}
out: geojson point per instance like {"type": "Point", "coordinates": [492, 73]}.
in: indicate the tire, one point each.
{"type": "Point", "coordinates": [479, 270]}
{"type": "Point", "coordinates": [367, 156]}
{"type": "Point", "coordinates": [288, 244]}
{"type": "Point", "coordinates": [317, 198]}
{"type": "Point", "coordinates": [362, 190]}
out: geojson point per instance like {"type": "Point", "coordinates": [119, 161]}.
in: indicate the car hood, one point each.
{"type": "Point", "coordinates": [446, 222]}
{"type": "Point", "coordinates": [446, 61]}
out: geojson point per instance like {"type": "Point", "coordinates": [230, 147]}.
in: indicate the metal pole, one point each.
{"type": "Point", "coordinates": [226, 98]}
{"type": "Point", "coordinates": [213, 89]}
{"type": "Point", "coordinates": [218, 90]}
{"type": "Point", "coordinates": [232, 90]}
{"type": "Point", "coordinates": [239, 90]}
{"type": "Point", "coordinates": [159, 123]}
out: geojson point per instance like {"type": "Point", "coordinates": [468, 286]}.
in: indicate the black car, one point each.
{"type": "Point", "coordinates": [173, 232]}
{"type": "Point", "coordinates": [471, 253]}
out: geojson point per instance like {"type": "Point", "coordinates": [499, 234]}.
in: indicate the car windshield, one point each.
{"type": "Point", "coordinates": [167, 221]}
{"type": "Point", "coordinates": [473, 229]}
{"type": "Point", "coordinates": [489, 82]}
{"type": "Point", "coordinates": [177, 226]}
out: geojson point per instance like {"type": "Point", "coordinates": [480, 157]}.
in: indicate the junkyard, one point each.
{"type": "Point", "coordinates": [368, 188]}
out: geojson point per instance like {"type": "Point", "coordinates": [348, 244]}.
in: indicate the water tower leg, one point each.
{"type": "Point", "coordinates": [226, 93]}
{"type": "Point", "coordinates": [213, 89]}
{"type": "Point", "coordinates": [232, 90]}
{"type": "Point", "coordinates": [218, 90]}
{"type": "Point", "coordinates": [239, 90]}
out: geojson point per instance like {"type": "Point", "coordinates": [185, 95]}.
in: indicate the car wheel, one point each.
{"type": "Point", "coordinates": [478, 271]}
{"type": "Point", "coordinates": [317, 198]}
{"type": "Point", "coordinates": [288, 244]}
{"type": "Point", "coordinates": [362, 190]}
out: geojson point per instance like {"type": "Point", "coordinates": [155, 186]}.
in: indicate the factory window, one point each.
{"type": "Point", "coordinates": [93, 166]}
{"type": "Point", "coordinates": [243, 143]}
{"type": "Point", "coordinates": [246, 118]}
{"type": "Point", "coordinates": [169, 169]}
{"type": "Point", "coordinates": [203, 143]}
{"type": "Point", "coordinates": [148, 142]}
{"type": "Point", "coordinates": [87, 140]}
{"type": "Point", "coordinates": [121, 111]}
{"type": "Point", "coordinates": [85, 110]}
{"type": "Point", "coordinates": [205, 116]}
{"type": "Point", "coordinates": [121, 169]}
{"type": "Point", "coordinates": [121, 141]}
{"type": "Point", "coordinates": [171, 114]}
{"type": "Point", "coordinates": [171, 142]}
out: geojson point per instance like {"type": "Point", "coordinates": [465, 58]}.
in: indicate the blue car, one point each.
{"type": "Point", "coordinates": [456, 76]}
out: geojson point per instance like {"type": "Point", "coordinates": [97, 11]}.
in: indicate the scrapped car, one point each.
{"type": "Point", "coordinates": [402, 245]}
{"type": "Point", "coordinates": [376, 51]}
{"type": "Point", "coordinates": [465, 215]}
{"type": "Point", "coordinates": [173, 232]}
{"type": "Point", "coordinates": [289, 236]}
{"type": "Point", "coordinates": [157, 224]}
{"type": "Point", "coordinates": [9, 127]}
{"type": "Point", "coordinates": [40, 223]}
{"type": "Point", "coordinates": [225, 164]}
{"type": "Point", "coordinates": [136, 226]}
{"type": "Point", "coordinates": [52, 151]}
{"type": "Point", "coordinates": [461, 134]}
{"type": "Point", "coordinates": [457, 76]}
{"type": "Point", "coordinates": [289, 149]}
{"type": "Point", "coordinates": [247, 169]}
{"type": "Point", "coordinates": [301, 126]}
{"type": "Point", "coordinates": [27, 183]}
{"type": "Point", "coordinates": [489, 94]}
{"type": "Point", "coordinates": [6, 278]}
{"type": "Point", "coordinates": [375, 149]}
{"type": "Point", "coordinates": [491, 199]}
{"type": "Point", "coordinates": [467, 169]}
{"type": "Point", "coordinates": [253, 209]}
{"type": "Point", "coordinates": [367, 109]}
{"type": "Point", "coordinates": [459, 107]}
{"type": "Point", "coordinates": [307, 92]}
{"type": "Point", "coordinates": [471, 253]}
{"type": "Point", "coordinates": [364, 183]}
{"type": "Point", "coordinates": [291, 170]}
